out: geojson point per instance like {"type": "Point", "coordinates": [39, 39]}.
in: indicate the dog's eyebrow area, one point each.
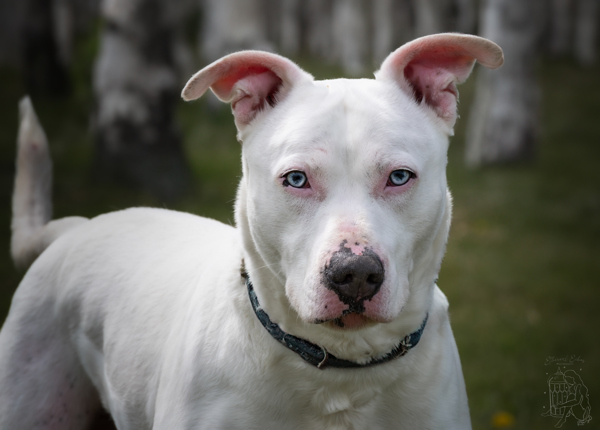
{"type": "Point", "coordinates": [386, 163]}
{"type": "Point", "coordinates": [341, 150]}
{"type": "Point", "coordinates": [311, 164]}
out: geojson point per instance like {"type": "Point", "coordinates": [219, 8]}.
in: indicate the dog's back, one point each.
{"type": "Point", "coordinates": [112, 289]}
{"type": "Point", "coordinates": [98, 280]}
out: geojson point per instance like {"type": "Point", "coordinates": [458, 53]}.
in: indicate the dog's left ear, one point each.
{"type": "Point", "coordinates": [250, 80]}
{"type": "Point", "coordinates": [429, 68]}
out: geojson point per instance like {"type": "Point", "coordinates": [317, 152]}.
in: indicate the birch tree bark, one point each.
{"type": "Point", "coordinates": [71, 18]}
{"type": "Point", "coordinates": [289, 34]}
{"type": "Point", "coordinates": [404, 22]}
{"type": "Point", "coordinates": [136, 91]}
{"type": "Point", "coordinates": [318, 22]}
{"type": "Point", "coordinates": [350, 35]}
{"type": "Point", "coordinates": [232, 25]}
{"type": "Point", "coordinates": [393, 26]}
{"type": "Point", "coordinates": [383, 29]}
{"type": "Point", "coordinates": [64, 29]}
{"type": "Point", "coordinates": [503, 122]}
{"type": "Point", "coordinates": [431, 16]}
{"type": "Point", "coordinates": [436, 16]}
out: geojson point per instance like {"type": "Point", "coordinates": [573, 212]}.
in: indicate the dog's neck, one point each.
{"type": "Point", "coordinates": [349, 345]}
{"type": "Point", "coordinates": [317, 355]}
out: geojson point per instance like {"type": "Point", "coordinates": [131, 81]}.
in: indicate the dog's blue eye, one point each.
{"type": "Point", "coordinates": [296, 179]}
{"type": "Point", "coordinates": [399, 177]}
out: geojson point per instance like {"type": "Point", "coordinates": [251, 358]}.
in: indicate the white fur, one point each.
{"type": "Point", "coordinates": [144, 310]}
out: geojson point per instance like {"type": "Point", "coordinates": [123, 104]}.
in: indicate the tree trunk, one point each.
{"type": "Point", "coordinates": [586, 31]}
{"type": "Point", "coordinates": [43, 70]}
{"type": "Point", "coordinates": [403, 16]}
{"type": "Point", "coordinates": [383, 29]}
{"type": "Point", "coordinates": [561, 27]}
{"type": "Point", "coordinates": [392, 26]}
{"type": "Point", "coordinates": [289, 34]}
{"type": "Point", "coordinates": [136, 89]}
{"type": "Point", "coordinates": [503, 124]}
{"type": "Point", "coordinates": [350, 35]}
{"type": "Point", "coordinates": [318, 33]}
{"type": "Point", "coordinates": [436, 16]}
{"type": "Point", "coordinates": [232, 25]}
{"type": "Point", "coordinates": [431, 16]}
{"type": "Point", "coordinates": [465, 19]}
{"type": "Point", "coordinates": [64, 29]}
{"type": "Point", "coordinates": [12, 18]}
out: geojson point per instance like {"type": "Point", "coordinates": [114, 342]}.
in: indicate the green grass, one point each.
{"type": "Point", "coordinates": [522, 262]}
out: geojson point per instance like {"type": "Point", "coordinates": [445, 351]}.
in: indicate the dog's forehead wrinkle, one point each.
{"type": "Point", "coordinates": [342, 97]}
{"type": "Point", "coordinates": [352, 121]}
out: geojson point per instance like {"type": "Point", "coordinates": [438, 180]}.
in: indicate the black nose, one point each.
{"type": "Point", "coordinates": [354, 277]}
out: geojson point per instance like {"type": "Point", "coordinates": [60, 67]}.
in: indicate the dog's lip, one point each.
{"type": "Point", "coordinates": [349, 321]}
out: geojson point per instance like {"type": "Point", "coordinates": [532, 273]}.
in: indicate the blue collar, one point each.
{"type": "Point", "coordinates": [317, 355]}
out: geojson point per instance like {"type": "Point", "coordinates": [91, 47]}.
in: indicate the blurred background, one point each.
{"type": "Point", "coordinates": [521, 270]}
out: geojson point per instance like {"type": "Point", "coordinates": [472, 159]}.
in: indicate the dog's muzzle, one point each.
{"type": "Point", "coordinates": [317, 355]}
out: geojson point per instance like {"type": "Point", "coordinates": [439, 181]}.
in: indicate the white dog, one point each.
{"type": "Point", "coordinates": [334, 322]}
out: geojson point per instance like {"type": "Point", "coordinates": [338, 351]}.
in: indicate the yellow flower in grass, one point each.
{"type": "Point", "coordinates": [503, 420]}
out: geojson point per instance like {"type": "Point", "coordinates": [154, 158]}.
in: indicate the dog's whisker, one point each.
{"type": "Point", "coordinates": [256, 269]}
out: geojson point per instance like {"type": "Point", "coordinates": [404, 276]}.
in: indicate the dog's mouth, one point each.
{"type": "Point", "coordinates": [349, 321]}
{"type": "Point", "coordinates": [351, 318]}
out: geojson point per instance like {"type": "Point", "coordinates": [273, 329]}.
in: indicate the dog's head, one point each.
{"type": "Point", "coordinates": [343, 202]}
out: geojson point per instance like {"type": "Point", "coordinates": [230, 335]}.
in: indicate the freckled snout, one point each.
{"type": "Point", "coordinates": [354, 278]}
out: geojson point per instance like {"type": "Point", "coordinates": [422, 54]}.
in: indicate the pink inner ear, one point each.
{"type": "Point", "coordinates": [435, 86]}
{"type": "Point", "coordinates": [250, 80]}
{"type": "Point", "coordinates": [250, 94]}
{"type": "Point", "coordinates": [430, 67]}
{"type": "Point", "coordinates": [223, 85]}
{"type": "Point", "coordinates": [433, 77]}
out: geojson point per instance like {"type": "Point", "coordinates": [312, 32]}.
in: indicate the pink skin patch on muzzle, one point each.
{"type": "Point", "coordinates": [351, 281]}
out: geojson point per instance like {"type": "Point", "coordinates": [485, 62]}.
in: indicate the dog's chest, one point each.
{"type": "Point", "coordinates": [329, 401]}
{"type": "Point", "coordinates": [344, 406]}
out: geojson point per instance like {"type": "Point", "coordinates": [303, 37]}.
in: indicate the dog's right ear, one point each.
{"type": "Point", "coordinates": [250, 80]}
{"type": "Point", "coordinates": [429, 68]}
